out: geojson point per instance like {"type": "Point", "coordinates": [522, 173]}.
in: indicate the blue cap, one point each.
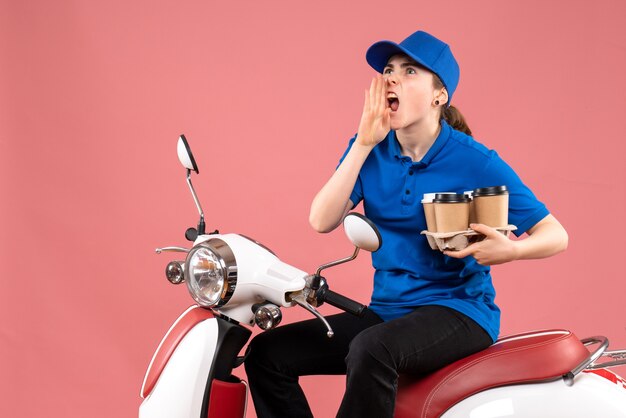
{"type": "Point", "coordinates": [426, 50]}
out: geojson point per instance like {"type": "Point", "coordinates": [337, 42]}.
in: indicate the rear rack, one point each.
{"type": "Point", "coordinates": [618, 358]}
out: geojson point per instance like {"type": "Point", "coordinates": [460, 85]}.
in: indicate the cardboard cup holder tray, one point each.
{"type": "Point", "coordinates": [458, 240]}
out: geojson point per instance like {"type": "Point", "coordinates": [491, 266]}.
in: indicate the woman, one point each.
{"type": "Point", "coordinates": [428, 308]}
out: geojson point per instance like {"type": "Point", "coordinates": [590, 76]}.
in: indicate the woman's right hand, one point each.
{"type": "Point", "coordinates": [376, 118]}
{"type": "Point", "coordinates": [333, 202]}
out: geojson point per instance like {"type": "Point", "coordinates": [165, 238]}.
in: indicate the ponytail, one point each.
{"type": "Point", "coordinates": [451, 114]}
{"type": "Point", "coordinates": [455, 119]}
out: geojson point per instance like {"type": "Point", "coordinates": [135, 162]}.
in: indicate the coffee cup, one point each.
{"type": "Point", "coordinates": [451, 212]}
{"type": "Point", "coordinates": [472, 213]}
{"type": "Point", "coordinates": [492, 206]}
{"type": "Point", "coordinates": [429, 210]}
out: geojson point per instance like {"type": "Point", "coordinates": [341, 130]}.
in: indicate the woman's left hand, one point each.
{"type": "Point", "coordinates": [494, 249]}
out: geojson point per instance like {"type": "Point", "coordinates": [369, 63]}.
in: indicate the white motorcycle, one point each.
{"type": "Point", "coordinates": [237, 281]}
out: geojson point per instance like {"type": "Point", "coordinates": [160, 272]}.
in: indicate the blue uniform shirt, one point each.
{"type": "Point", "coordinates": [408, 272]}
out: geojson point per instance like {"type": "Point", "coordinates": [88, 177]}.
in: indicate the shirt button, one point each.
{"type": "Point", "coordinates": [408, 191]}
{"type": "Point", "coordinates": [410, 172]}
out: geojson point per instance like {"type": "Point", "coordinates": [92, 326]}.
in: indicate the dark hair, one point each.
{"type": "Point", "coordinates": [451, 114]}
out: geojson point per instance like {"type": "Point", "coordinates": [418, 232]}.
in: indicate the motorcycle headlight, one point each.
{"type": "Point", "coordinates": [211, 273]}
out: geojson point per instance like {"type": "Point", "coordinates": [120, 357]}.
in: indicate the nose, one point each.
{"type": "Point", "coordinates": [392, 79]}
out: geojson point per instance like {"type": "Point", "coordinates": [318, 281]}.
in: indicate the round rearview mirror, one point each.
{"type": "Point", "coordinates": [362, 232]}
{"type": "Point", "coordinates": [184, 154]}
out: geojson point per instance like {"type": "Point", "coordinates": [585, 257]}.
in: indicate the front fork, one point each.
{"type": "Point", "coordinates": [225, 395]}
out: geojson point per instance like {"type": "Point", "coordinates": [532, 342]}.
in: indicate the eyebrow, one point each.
{"type": "Point", "coordinates": [405, 64]}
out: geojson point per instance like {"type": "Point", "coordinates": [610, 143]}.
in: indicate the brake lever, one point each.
{"type": "Point", "coordinates": [172, 249]}
{"type": "Point", "coordinates": [300, 300]}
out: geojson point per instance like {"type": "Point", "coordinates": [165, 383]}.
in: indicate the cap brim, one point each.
{"type": "Point", "coordinates": [378, 55]}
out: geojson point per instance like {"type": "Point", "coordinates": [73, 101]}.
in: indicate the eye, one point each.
{"type": "Point", "coordinates": [387, 71]}
{"type": "Point", "coordinates": [411, 70]}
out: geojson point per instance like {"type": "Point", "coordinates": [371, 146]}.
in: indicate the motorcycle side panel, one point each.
{"type": "Point", "coordinates": [228, 400]}
{"type": "Point", "coordinates": [590, 396]}
{"type": "Point", "coordinates": [179, 392]}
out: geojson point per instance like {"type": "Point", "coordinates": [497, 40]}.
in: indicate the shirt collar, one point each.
{"type": "Point", "coordinates": [434, 149]}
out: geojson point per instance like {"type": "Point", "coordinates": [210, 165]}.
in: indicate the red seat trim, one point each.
{"type": "Point", "coordinates": [521, 358]}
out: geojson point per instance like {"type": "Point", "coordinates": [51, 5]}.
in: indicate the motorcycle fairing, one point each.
{"type": "Point", "coordinates": [260, 276]}
{"type": "Point", "coordinates": [591, 396]}
{"type": "Point", "coordinates": [609, 375]}
{"type": "Point", "coordinates": [196, 356]}
{"type": "Point", "coordinates": [180, 389]}
{"type": "Point", "coordinates": [185, 322]}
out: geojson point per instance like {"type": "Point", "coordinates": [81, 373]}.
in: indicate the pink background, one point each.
{"type": "Point", "coordinates": [93, 96]}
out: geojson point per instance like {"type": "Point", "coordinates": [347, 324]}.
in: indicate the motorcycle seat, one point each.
{"type": "Point", "coordinates": [522, 358]}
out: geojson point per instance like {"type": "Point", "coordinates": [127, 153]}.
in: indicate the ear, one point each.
{"type": "Point", "coordinates": [442, 96]}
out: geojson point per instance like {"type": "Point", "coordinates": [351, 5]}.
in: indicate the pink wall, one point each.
{"type": "Point", "coordinates": [94, 94]}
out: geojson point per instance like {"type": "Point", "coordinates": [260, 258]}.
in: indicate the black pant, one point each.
{"type": "Point", "coordinates": [371, 352]}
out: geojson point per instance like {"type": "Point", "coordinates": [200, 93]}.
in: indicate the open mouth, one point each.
{"type": "Point", "coordinates": [393, 102]}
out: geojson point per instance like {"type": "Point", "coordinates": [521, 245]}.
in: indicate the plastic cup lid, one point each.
{"type": "Point", "coordinates": [451, 198]}
{"type": "Point", "coordinates": [429, 197]}
{"type": "Point", "coordinates": [491, 191]}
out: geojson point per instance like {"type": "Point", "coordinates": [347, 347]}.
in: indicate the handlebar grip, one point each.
{"type": "Point", "coordinates": [343, 303]}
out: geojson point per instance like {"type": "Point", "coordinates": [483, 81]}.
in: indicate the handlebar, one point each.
{"type": "Point", "coordinates": [340, 301]}
{"type": "Point", "coordinates": [316, 292]}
